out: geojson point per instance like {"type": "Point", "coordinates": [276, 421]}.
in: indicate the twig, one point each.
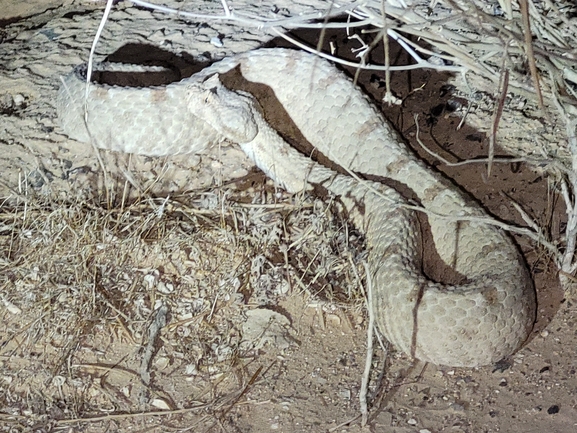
{"type": "Point", "coordinates": [242, 392]}
{"type": "Point", "coordinates": [158, 322]}
{"type": "Point", "coordinates": [568, 263]}
{"type": "Point", "coordinates": [370, 67]}
{"type": "Point", "coordinates": [254, 21]}
{"type": "Point", "coordinates": [524, 6]}
{"type": "Point", "coordinates": [105, 15]}
{"type": "Point", "coordinates": [116, 416]}
{"type": "Point", "coordinates": [537, 237]}
{"type": "Point", "coordinates": [369, 358]}
{"type": "Point", "coordinates": [503, 85]}
{"type": "Point", "coordinates": [528, 160]}
{"type": "Point", "coordinates": [553, 250]}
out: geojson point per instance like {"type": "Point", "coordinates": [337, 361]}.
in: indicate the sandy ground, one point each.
{"type": "Point", "coordinates": [254, 293]}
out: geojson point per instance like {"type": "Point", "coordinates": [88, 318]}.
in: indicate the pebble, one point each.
{"type": "Point", "coordinates": [217, 42]}
{"type": "Point", "coordinates": [553, 410]}
{"type": "Point", "coordinates": [160, 404]}
{"type": "Point", "coordinates": [13, 309]}
{"type": "Point", "coordinates": [165, 288]}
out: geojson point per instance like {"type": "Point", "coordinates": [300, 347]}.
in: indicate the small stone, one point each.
{"type": "Point", "coordinates": [191, 370]}
{"type": "Point", "coordinates": [161, 362]}
{"type": "Point", "coordinates": [149, 281]}
{"type": "Point", "coordinates": [333, 320]}
{"type": "Point", "coordinates": [165, 288]}
{"type": "Point", "coordinates": [160, 404]}
{"type": "Point", "coordinates": [12, 309]}
{"type": "Point", "coordinates": [345, 394]}
{"type": "Point", "coordinates": [18, 99]}
{"type": "Point", "coordinates": [457, 407]}
{"type": "Point", "coordinates": [553, 410]}
{"type": "Point", "coordinates": [217, 42]}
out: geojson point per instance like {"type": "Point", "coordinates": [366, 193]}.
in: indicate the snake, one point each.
{"type": "Point", "coordinates": [485, 317]}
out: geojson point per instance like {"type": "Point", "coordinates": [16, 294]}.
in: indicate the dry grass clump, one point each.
{"type": "Point", "coordinates": [516, 60]}
{"type": "Point", "coordinates": [83, 286]}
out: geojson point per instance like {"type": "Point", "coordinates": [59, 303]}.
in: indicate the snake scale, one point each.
{"type": "Point", "coordinates": [481, 321]}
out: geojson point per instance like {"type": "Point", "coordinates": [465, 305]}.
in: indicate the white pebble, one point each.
{"type": "Point", "coordinates": [160, 404]}
{"type": "Point", "coordinates": [217, 42]}
{"type": "Point", "coordinates": [18, 99]}
{"type": "Point", "coordinates": [149, 281]}
{"type": "Point", "coordinates": [165, 288]}
{"type": "Point", "coordinates": [12, 309]}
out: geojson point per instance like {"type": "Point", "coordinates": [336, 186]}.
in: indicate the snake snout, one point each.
{"type": "Point", "coordinates": [229, 113]}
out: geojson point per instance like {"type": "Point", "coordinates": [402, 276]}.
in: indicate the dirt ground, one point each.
{"type": "Point", "coordinates": [190, 294]}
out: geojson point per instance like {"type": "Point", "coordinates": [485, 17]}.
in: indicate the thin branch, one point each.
{"type": "Point", "coordinates": [503, 85]}
{"type": "Point", "coordinates": [359, 65]}
{"type": "Point", "coordinates": [524, 6]}
{"type": "Point", "coordinates": [369, 357]}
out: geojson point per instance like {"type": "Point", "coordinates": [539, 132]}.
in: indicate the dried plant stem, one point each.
{"type": "Point", "coordinates": [568, 263]}
{"type": "Point", "coordinates": [524, 4]}
{"type": "Point", "coordinates": [503, 85]}
{"type": "Point", "coordinates": [536, 235]}
{"type": "Point", "coordinates": [369, 357]}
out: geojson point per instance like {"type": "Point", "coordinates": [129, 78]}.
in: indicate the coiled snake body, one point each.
{"type": "Point", "coordinates": [478, 322]}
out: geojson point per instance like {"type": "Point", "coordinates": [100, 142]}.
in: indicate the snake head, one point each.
{"type": "Point", "coordinates": [230, 113]}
